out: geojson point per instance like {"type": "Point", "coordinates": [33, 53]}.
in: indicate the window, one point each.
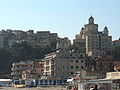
{"type": "Point", "coordinates": [71, 60]}
{"type": "Point", "coordinates": [42, 70]}
{"type": "Point", "coordinates": [41, 65]}
{"type": "Point", "coordinates": [77, 61]}
{"type": "Point", "coordinates": [77, 67]}
{"type": "Point", "coordinates": [82, 67]}
{"type": "Point", "coordinates": [71, 67]}
{"type": "Point", "coordinates": [47, 68]}
{"type": "Point", "coordinates": [81, 61]}
{"type": "Point", "coordinates": [81, 56]}
{"type": "Point", "coordinates": [100, 63]}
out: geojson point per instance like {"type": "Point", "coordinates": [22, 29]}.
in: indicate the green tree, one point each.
{"type": "Point", "coordinates": [23, 51]}
{"type": "Point", "coordinates": [6, 59]}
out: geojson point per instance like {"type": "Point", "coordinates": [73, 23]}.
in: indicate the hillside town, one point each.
{"type": "Point", "coordinates": [88, 57]}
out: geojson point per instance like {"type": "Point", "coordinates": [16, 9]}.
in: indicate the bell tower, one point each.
{"type": "Point", "coordinates": [91, 20]}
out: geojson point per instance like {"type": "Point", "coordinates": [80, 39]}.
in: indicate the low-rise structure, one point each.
{"type": "Point", "coordinates": [116, 43]}
{"type": "Point", "coordinates": [104, 64]}
{"type": "Point", "coordinates": [63, 44]}
{"type": "Point", "coordinates": [27, 70]}
{"type": "Point", "coordinates": [19, 67]}
{"type": "Point", "coordinates": [113, 75]}
{"type": "Point", "coordinates": [36, 72]}
{"type": "Point", "coordinates": [96, 52]}
{"type": "Point", "coordinates": [84, 75]}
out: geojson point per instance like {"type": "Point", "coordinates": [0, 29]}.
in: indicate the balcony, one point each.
{"type": "Point", "coordinates": [19, 68]}
{"type": "Point", "coordinates": [16, 73]}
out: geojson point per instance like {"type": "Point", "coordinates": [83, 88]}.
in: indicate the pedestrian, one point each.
{"type": "Point", "coordinates": [96, 87]}
{"type": "Point", "coordinates": [91, 88]}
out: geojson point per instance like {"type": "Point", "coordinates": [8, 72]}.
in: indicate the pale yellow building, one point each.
{"type": "Point", "coordinates": [113, 75]}
{"type": "Point", "coordinates": [89, 75]}
{"type": "Point", "coordinates": [63, 65]}
{"type": "Point", "coordinates": [93, 38]}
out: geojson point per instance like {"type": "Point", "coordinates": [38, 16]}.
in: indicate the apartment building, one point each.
{"type": "Point", "coordinates": [93, 38]}
{"type": "Point", "coordinates": [63, 65]}
{"type": "Point", "coordinates": [27, 69]}
{"type": "Point", "coordinates": [35, 72]}
{"type": "Point", "coordinates": [90, 64]}
{"type": "Point", "coordinates": [116, 43]}
{"type": "Point", "coordinates": [63, 44]}
{"type": "Point", "coordinates": [31, 39]}
{"type": "Point", "coordinates": [45, 38]}
{"type": "Point", "coordinates": [19, 67]}
{"type": "Point", "coordinates": [3, 41]}
{"type": "Point", "coordinates": [89, 75]}
{"type": "Point", "coordinates": [41, 38]}
{"type": "Point", "coordinates": [104, 63]}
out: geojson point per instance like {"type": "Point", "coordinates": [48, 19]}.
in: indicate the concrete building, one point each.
{"type": "Point", "coordinates": [27, 70]}
{"type": "Point", "coordinates": [31, 39]}
{"type": "Point", "coordinates": [41, 38]}
{"type": "Point", "coordinates": [96, 52]}
{"type": "Point", "coordinates": [89, 75]}
{"type": "Point", "coordinates": [3, 41]}
{"type": "Point", "coordinates": [63, 44]}
{"type": "Point", "coordinates": [63, 65]}
{"type": "Point", "coordinates": [35, 72]}
{"type": "Point", "coordinates": [45, 38]}
{"type": "Point", "coordinates": [79, 45]}
{"type": "Point", "coordinates": [117, 66]}
{"type": "Point", "coordinates": [39, 67]}
{"type": "Point", "coordinates": [116, 43]}
{"type": "Point", "coordinates": [93, 38]}
{"type": "Point", "coordinates": [53, 36]}
{"type": "Point", "coordinates": [113, 75]}
{"type": "Point", "coordinates": [19, 67]}
{"type": "Point", "coordinates": [90, 64]}
{"type": "Point", "coordinates": [104, 64]}
{"type": "Point", "coordinates": [116, 73]}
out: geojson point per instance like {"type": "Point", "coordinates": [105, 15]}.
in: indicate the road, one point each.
{"type": "Point", "coordinates": [35, 88]}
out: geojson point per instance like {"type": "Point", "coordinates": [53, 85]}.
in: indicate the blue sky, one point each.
{"type": "Point", "coordinates": [65, 17]}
